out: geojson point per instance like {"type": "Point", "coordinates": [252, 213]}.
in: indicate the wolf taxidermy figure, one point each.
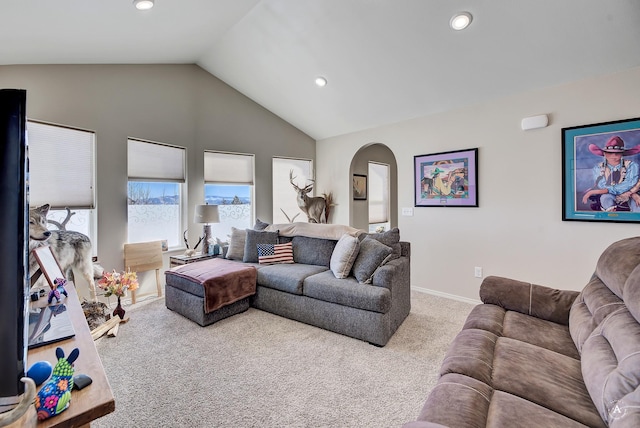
{"type": "Point", "coordinates": [71, 249]}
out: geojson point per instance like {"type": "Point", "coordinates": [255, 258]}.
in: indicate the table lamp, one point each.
{"type": "Point", "coordinates": [206, 214]}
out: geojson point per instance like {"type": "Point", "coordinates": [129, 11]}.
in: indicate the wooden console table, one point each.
{"type": "Point", "coordinates": [89, 403]}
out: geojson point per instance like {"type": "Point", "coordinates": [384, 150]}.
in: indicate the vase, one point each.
{"type": "Point", "coordinates": [119, 310]}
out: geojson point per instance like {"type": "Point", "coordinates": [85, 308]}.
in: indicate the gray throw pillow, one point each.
{"type": "Point", "coordinates": [236, 244]}
{"type": "Point", "coordinates": [255, 237]}
{"type": "Point", "coordinates": [372, 255]}
{"type": "Point", "coordinates": [260, 225]}
{"type": "Point", "coordinates": [343, 256]}
{"type": "Point", "coordinates": [390, 238]}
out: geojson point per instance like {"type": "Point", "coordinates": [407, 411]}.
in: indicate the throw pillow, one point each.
{"type": "Point", "coordinates": [390, 238]}
{"type": "Point", "coordinates": [260, 225]}
{"type": "Point", "coordinates": [269, 254]}
{"type": "Point", "coordinates": [343, 256]}
{"type": "Point", "coordinates": [372, 255]}
{"type": "Point", "coordinates": [236, 244]}
{"type": "Point", "coordinates": [255, 237]}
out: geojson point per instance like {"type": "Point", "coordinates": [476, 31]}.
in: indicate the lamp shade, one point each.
{"type": "Point", "coordinates": [206, 214]}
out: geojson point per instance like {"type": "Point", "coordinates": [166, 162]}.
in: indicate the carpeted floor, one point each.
{"type": "Point", "coordinates": [256, 369]}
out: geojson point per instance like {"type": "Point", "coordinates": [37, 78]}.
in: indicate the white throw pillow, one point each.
{"type": "Point", "coordinates": [236, 244]}
{"type": "Point", "coordinates": [343, 256]}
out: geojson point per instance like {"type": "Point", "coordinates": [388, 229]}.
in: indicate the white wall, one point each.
{"type": "Point", "coordinates": [518, 230]}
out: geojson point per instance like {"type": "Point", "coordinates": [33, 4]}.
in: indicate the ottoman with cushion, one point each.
{"type": "Point", "coordinates": [210, 290]}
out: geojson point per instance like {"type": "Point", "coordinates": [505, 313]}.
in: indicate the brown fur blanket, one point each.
{"type": "Point", "coordinates": [224, 281]}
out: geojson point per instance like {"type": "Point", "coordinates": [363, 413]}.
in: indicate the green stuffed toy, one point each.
{"type": "Point", "coordinates": [55, 396]}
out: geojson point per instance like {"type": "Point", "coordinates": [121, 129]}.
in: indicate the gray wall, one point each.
{"type": "Point", "coordinates": [175, 104]}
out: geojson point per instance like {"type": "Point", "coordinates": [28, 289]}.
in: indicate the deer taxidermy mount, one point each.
{"type": "Point", "coordinates": [317, 208]}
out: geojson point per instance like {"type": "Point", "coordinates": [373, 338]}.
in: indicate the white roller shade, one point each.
{"type": "Point", "coordinates": [378, 193]}
{"type": "Point", "coordinates": [148, 161]}
{"type": "Point", "coordinates": [61, 166]}
{"type": "Point", "coordinates": [228, 168]}
{"type": "Point", "coordinates": [284, 195]}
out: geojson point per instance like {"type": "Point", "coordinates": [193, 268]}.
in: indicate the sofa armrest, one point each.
{"type": "Point", "coordinates": [536, 300]}
{"type": "Point", "coordinates": [394, 272]}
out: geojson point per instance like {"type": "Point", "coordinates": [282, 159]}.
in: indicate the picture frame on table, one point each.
{"type": "Point", "coordinates": [48, 265]}
{"type": "Point", "coordinates": [446, 179]}
{"type": "Point", "coordinates": [359, 187]}
{"type": "Point", "coordinates": [601, 172]}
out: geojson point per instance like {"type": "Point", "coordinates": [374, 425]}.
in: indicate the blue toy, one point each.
{"type": "Point", "coordinates": [55, 396]}
{"type": "Point", "coordinates": [40, 371]}
{"type": "Point", "coordinates": [57, 289]}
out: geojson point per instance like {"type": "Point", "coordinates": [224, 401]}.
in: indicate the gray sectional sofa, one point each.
{"type": "Point", "coordinates": [368, 304]}
{"type": "Point", "coordinates": [532, 356]}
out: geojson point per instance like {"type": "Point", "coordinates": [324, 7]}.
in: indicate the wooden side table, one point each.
{"type": "Point", "coordinates": [183, 260]}
{"type": "Point", "coordinates": [91, 402]}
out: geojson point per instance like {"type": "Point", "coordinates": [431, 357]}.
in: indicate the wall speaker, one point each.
{"type": "Point", "coordinates": [535, 122]}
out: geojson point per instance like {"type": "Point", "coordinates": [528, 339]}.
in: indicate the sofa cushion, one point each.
{"type": "Point", "coordinates": [610, 366]}
{"type": "Point", "coordinates": [486, 317]}
{"type": "Point", "coordinates": [543, 377]}
{"type": "Point", "coordinates": [236, 244]}
{"type": "Point", "coordinates": [348, 292]}
{"type": "Point", "coordinates": [371, 256]}
{"type": "Point", "coordinates": [313, 251]}
{"type": "Point", "coordinates": [287, 277]}
{"type": "Point", "coordinates": [631, 292]}
{"type": "Point", "coordinates": [458, 401]}
{"type": "Point", "coordinates": [343, 256]}
{"type": "Point", "coordinates": [617, 262]}
{"type": "Point", "coordinates": [255, 237]}
{"type": "Point", "coordinates": [471, 354]}
{"type": "Point", "coordinates": [546, 334]}
{"type": "Point", "coordinates": [508, 410]}
{"type": "Point", "coordinates": [593, 305]}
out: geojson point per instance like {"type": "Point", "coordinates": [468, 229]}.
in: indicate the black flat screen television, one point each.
{"type": "Point", "coordinates": [14, 243]}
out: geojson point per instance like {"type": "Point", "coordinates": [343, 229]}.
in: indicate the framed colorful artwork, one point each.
{"type": "Point", "coordinates": [447, 179]}
{"type": "Point", "coordinates": [359, 187]}
{"type": "Point", "coordinates": [600, 172]}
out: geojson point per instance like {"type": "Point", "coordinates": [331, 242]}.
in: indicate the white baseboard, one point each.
{"type": "Point", "coordinates": [446, 295]}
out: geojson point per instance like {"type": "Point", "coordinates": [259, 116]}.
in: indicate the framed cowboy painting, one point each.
{"type": "Point", "coordinates": [447, 179]}
{"type": "Point", "coordinates": [601, 172]}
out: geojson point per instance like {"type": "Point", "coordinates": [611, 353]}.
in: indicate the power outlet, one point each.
{"type": "Point", "coordinates": [477, 272]}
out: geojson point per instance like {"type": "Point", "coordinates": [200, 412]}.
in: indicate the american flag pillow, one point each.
{"type": "Point", "coordinates": [275, 253]}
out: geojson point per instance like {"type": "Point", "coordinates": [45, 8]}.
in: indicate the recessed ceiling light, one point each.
{"type": "Point", "coordinates": [460, 21]}
{"type": "Point", "coordinates": [143, 4]}
{"type": "Point", "coordinates": [321, 81]}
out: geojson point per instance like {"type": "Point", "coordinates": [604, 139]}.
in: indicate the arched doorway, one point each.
{"type": "Point", "coordinates": [360, 209]}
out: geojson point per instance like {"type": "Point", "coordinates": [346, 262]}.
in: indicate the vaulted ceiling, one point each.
{"type": "Point", "coordinates": [385, 60]}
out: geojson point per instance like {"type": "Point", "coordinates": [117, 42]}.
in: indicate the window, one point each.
{"type": "Point", "coordinates": [228, 183]}
{"type": "Point", "coordinates": [155, 192]}
{"type": "Point", "coordinates": [285, 206]}
{"type": "Point", "coordinates": [378, 196]}
{"type": "Point", "coordinates": [51, 147]}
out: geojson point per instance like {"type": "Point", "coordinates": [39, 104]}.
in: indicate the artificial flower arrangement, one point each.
{"type": "Point", "coordinates": [117, 284]}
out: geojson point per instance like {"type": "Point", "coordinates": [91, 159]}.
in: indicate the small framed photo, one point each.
{"type": "Point", "coordinates": [600, 172]}
{"type": "Point", "coordinates": [447, 179]}
{"type": "Point", "coordinates": [359, 187]}
{"type": "Point", "coordinates": [48, 265]}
